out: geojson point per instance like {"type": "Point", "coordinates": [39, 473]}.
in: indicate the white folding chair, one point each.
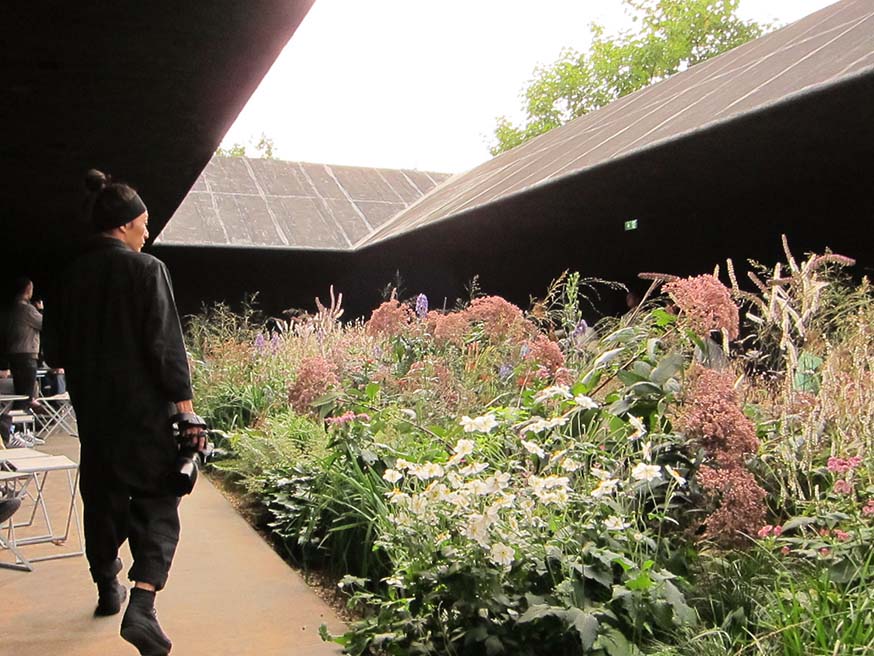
{"type": "Point", "coordinates": [58, 415]}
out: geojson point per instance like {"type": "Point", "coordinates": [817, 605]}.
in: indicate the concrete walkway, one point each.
{"type": "Point", "coordinates": [228, 593]}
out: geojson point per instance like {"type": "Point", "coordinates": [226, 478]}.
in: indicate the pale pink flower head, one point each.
{"type": "Point", "coordinates": [785, 550]}
{"type": "Point", "coordinates": [389, 319]}
{"type": "Point", "coordinates": [843, 536]}
{"type": "Point", "coordinates": [843, 465]}
{"type": "Point", "coordinates": [501, 319]}
{"type": "Point", "coordinates": [706, 304]}
{"type": "Point", "coordinates": [843, 487]}
{"type": "Point", "coordinates": [868, 510]}
{"type": "Point", "coordinates": [315, 377]}
{"type": "Point", "coordinates": [765, 531]}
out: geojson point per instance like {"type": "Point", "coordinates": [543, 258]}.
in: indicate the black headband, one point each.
{"type": "Point", "coordinates": [122, 212]}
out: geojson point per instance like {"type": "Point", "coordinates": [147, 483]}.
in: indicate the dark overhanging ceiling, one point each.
{"type": "Point", "coordinates": [143, 90]}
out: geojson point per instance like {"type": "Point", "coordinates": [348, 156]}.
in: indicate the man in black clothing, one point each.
{"type": "Point", "coordinates": [114, 328]}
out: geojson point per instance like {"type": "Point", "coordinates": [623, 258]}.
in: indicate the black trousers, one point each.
{"type": "Point", "coordinates": [114, 512]}
{"type": "Point", "coordinates": [23, 369]}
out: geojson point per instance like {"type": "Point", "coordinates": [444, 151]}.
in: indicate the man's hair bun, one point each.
{"type": "Point", "coordinates": [96, 180]}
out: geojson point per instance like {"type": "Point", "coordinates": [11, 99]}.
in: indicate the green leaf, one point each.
{"type": "Point", "coordinates": [371, 391]}
{"type": "Point", "coordinates": [645, 389]}
{"type": "Point", "coordinates": [494, 646]}
{"type": "Point", "coordinates": [614, 643]}
{"type": "Point", "coordinates": [629, 377]}
{"type": "Point", "coordinates": [586, 625]}
{"type": "Point", "coordinates": [598, 574]}
{"type": "Point", "coordinates": [683, 614]}
{"type": "Point", "coordinates": [669, 367]}
{"type": "Point", "coordinates": [663, 317]}
{"type": "Point", "coordinates": [607, 357]}
{"type": "Point", "coordinates": [641, 582]}
{"type": "Point", "coordinates": [797, 522]}
{"type": "Point", "coordinates": [539, 611]}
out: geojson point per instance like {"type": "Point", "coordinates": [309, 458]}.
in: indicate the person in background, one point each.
{"type": "Point", "coordinates": [114, 328]}
{"type": "Point", "coordinates": [24, 324]}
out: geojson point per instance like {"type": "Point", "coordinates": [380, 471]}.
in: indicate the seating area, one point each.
{"type": "Point", "coordinates": [25, 517]}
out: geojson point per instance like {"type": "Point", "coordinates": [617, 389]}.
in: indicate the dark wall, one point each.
{"type": "Point", "coordinates": [802, 168]}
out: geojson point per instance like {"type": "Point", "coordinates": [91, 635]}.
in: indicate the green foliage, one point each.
{"type": "Point", "coordinates": [671, 35]}
{"type": "Point", "coordinates": [234, 150]}
{"type": "Point", "coordinates": [264, 148]}
{"type": "Point", "coordinates": [477, 502]}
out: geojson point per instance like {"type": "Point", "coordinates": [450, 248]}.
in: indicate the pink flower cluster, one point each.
{"type": "Point", "coordinates": [843, 465]}
{"type": "Point", "coordinates": [768, 530]}
{"type": "Point", "coordinates": [545, 353]}
{"type": "Point", "coordinates": [741, 504]}
{"type": "Point", "coordinates": [347, 417]}
{"type": "Point", "coordinates": [448, 328]}
{"type": "Point", "coordinates": [389, 319]}
{"type": "Point", "coordinates": [706, 304]}
{"type": "Point", "coordinates": [712, 418]}
{"type": "Point", "coordinates": [868, 508]}
{"type": "Point", "coordinates": [500, 319]}
{"type": "Point", "coordinates": [843, 487]}
{"type": "Point", "coordinates": [315, 376]}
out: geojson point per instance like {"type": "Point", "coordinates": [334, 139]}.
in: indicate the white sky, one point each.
{"type": "Point", "coordinates": [420, 83]}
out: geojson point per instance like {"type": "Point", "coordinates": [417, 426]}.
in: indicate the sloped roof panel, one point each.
{"type": "Point", "coordinates": [252, 202]}
{"type": "Point", "coordinates": [824, 48]}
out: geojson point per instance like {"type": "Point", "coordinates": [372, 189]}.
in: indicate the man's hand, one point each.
{"type": "Point", "coordinates": [5, 373]}
{"type": "Point", "coordinates": [196, 436]}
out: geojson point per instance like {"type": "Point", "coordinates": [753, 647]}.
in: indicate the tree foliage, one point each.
{"type": "Point", "coordinates": [670, 36]}
{"type": "Point", "coordinates": [264, 148]}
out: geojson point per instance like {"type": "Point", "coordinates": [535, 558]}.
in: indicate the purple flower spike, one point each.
{"type": "Point", "coordinates": [259, 343]}
{"type": "Point", "coordinates": [421, 306]}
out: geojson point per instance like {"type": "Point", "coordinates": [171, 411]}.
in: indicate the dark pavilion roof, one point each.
{"type": "Point", "coordinates": [827, 48]}
{"type": "Point", "coordinates": [142, 90]}
{"type": "Point", "coordinates": [238, 201]}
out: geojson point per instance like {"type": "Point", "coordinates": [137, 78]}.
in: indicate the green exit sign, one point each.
{"type": "Point", "coordinates": [631, 225]}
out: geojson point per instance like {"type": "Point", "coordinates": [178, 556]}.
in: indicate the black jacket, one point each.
{"type": "Point", "coordinates": [112, 325]}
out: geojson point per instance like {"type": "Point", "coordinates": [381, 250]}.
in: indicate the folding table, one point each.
{"type": "Point", "coordinates": [18, 471]}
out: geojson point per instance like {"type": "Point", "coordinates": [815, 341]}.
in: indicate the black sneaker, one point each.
{"type": "Point", "coordinates": [110, 596]}
{"type": "Point", "coordinates": [140, 628]}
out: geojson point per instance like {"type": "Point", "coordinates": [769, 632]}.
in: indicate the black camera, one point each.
{"type": "Point", "coordinates": [190, 457]}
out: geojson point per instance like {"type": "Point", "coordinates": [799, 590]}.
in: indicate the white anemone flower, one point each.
{"type": "Point", "coordinates": [477, 528]}
{"type": "Point", "coordinates": [482, 424]}
{"type": "Point", "coordinates": [531, 447]}
{"type": "Point", "coordinates": [585, 402]}
{"type": "Point", "coordinates": [639, 428]}
{"type": "Point", "coordinates": [539, 424]}
{"type": "Point", "coordinates": [615, 524]}
{"type": "Point", "coordinates": [462, 449]}
{"type": "Point", "coordinates": [552, 392]}
{"type": "Point", "coordinates": [426, 471]}
{"type": "Point", "coordinates": [397, 497]}
{"type": "Point", "coordinates": [418, 504]}
{"type": "Point", "coordinates": [570, 465]}
{"type": "Point", "coordinates": [605, 487]}
{"type": "Point", "coordinates": [473, 468]}
{"type": "Point", "coordinates": [392, 475]}
{"type": "Point", "coordinates": [645, 472]}
{"type": "Point", "coordinates": [676, 475]}
{"type": "Point", "coordinates": [601, 474]}
{"type": "Point", "coordinates": [646, 447]}
{"type": "Point", "coordinates": [501, 554]}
